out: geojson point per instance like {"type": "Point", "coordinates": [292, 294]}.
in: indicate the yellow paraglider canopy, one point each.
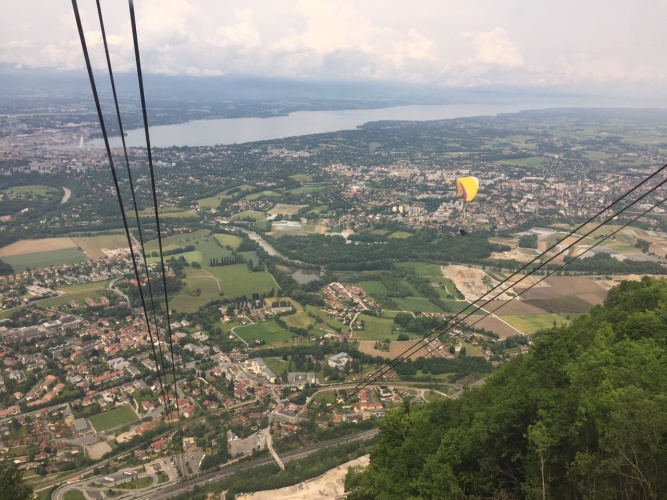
{"type": "Point", "coordinates": [467, 187]}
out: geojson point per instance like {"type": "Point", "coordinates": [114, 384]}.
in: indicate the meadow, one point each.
{"type": "Point", "coordinates": [374, 328]}
{"type": "Point", "coordinates": [268, 331]}
{"type": "Point", "coordinates": [375, 288]}
{"type": "Point", "coordinates": [228, 240]}
{"type": "Point", "coordinates": [35, 190]}
{"type": "Point", "coordinates": [38, 260]}
{"type": "Point", "coordinates": [415, 304]}
{"type": "Point", "coordinates": [532, 323]}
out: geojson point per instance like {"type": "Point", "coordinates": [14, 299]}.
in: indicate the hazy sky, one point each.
{"type": "Point", "coordinates": [458, 43]}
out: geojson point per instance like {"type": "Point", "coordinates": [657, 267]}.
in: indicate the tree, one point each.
{"type": "Point", "coordinates": [11, 483]}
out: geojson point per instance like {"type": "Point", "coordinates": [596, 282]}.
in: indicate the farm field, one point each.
{"type": "Point", "coordinates": [186, 300]}
{"type": "Point", "coordinates": [571, 304]}
{"type": "Point", "coordinates": [307, 189]}
{"type": "Point", "coordinates": [268, 331]}
{"type": "Point", "coordinates": [298, 320]}
{"type": "Point", "coordinates": [560, 286]}
{"type": "Point", "coordinates": [513, 307]}
{"type": "Point", "coordinates": [396, 348]}
{"type": "Point", "coordinates": [458, 306]}
{"type": "Point", "coordinates": [532, 323]}
{"type": "Point", "coordinates": [112, 418]}
{"type": "Point", "coordinates": [263, 194]}
{"type": "Point", "coordinates": [375, 288]}
{"type": "Point", "coordinates": [497, 326]}
{"type": "Point", "coordinates": [228, 240]}
{"type": "Point", "coordinates": [237, 281]}
{"type": "Point", "coordinates": [374, 328]}
{"type": "Point", "coordinates": [415, 304]}
{"type": "Point", "coordinates": [45, 259]}
{"type": "Point", "coordinates": [179, 240]}
{"type": "Point", "coordinates": [92, 245]}
{"type": "Point", "coordinates": [250, 214]}
{"type": "Point", "coordinates": [301, 177]}
{"type": "Point", "coordinates": [284, 209]}
{"type": "Point", "coordinates": [421, 269]}
{"type": "Point", "coordinates": [214, 201]}
{"type": "Point", "coordinates": [32, 246]}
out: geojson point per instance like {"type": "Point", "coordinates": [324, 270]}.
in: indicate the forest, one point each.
{"type": "Point", "coordinates": [583, 415]}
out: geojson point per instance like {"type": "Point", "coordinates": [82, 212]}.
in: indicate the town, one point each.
{"type": "Point", "coordinates": [294, 272]}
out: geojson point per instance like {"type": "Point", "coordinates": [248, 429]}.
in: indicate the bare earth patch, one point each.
{"type": "Point", "coordinates": [518, 254]}
{"type": "Point", "coordinates": [329, 485]}
{"type": "Point", "coordinates": [472, 283]}
{"type": "Point", "coordinates": [495, 325]}
{"type": "Point", "coordinates": [396, 348]}
{"type": "Point", "coordinates": [31, 246]}
{"type": "Point", "coordinates": [92, 246]}
{"type": "Point", "coordinates": [95, 451]}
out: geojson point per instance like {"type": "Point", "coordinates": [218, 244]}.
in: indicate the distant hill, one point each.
{"type": "Point", "coordinates": [583, 415]}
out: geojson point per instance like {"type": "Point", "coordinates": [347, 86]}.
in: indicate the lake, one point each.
{"type": "Point", "coordinates": [240, 130]}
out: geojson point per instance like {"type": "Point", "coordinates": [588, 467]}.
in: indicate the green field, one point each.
{"type": "Point", "coordinates": [277, 365]}
{"type": "Point", "coordinates": [268, 331]}
{"type": "Point", "coordinates": [320, 209]}
{"type": "Point", "coordinates": [34, 190]}
{"type": "Point", "coordinates": [421, 269]}
{"type": "Point", "coordinates": [137, 484]}
{"type": "Point", "coordinates": [326, 396]}
{"type": "Point", "coordinates": [457, 306]}
{"type": "Point", "coordinates": [237, 281]}
{"type": "Point", "coordinates": [284, 209]}
{"type": "Point", "coordinates": [85, 287]}
{"type": "Point", "coordinates": [417, 304]}
{"type": "Point", "coordinates": [400, 235]}
{"type": "Point", "coordinates": [113, 418]}
{"type": "Point", "coordinates": [301, 177]}
{"type": "Point", "coordinates": [327, 322]}
{"type": "Point", "coordinates": [306, 189]}
{"type": "Point", "coordinates": [299, 320]}
{"type": "Point", "coordinates": [228, 240]}
{"type": "Point", "coordinates": [250, 214]}
{"type": "Point", "coordinates": [263, 194]}
{"type": "Point", "coordinates": [531, 323]}
{"type": "Point", "coordinates": [214, 201]}
{"type": "Point", "coordinates": [375, 288]}
{"type": "Point", "coordinates": [179, 240]}
{"type": "Point", "coordinates": [379, 232]}
{"type": "Point", "coordinates": [38, 260]}
{"type": "Point", "coordinates": [74, 495]}
{"type": "Point", "coordinates": [187, 300]}
{"type": "Point", "coordinates": [374, 328]}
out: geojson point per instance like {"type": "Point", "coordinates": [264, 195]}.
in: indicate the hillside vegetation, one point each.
{"type": "Point", "coordinates": [584, 415]}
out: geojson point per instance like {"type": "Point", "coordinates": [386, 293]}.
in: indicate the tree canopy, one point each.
{"type": "Point", "coordinates": [583, 415]}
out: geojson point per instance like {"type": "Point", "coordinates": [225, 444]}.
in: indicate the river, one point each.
{"type": "Point", "coordinates": [240, 130]}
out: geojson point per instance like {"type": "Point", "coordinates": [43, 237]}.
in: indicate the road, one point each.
{"type": "Point", "coordinates": [173, 490]}
{"type": "Point", "coordinates": [118, 292]}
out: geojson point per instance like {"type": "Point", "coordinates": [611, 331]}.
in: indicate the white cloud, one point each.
{"type": "Point", "coordinates": [481, 42]}
{"type": "Point", "coordinates": [495, 48]}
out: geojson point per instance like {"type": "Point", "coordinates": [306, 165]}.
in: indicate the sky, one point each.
{"type": "Point", "coordinates": [456, 43]}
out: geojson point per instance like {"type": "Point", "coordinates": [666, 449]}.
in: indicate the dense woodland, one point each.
{"type": "Point", "coordinates": [583, 415]}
